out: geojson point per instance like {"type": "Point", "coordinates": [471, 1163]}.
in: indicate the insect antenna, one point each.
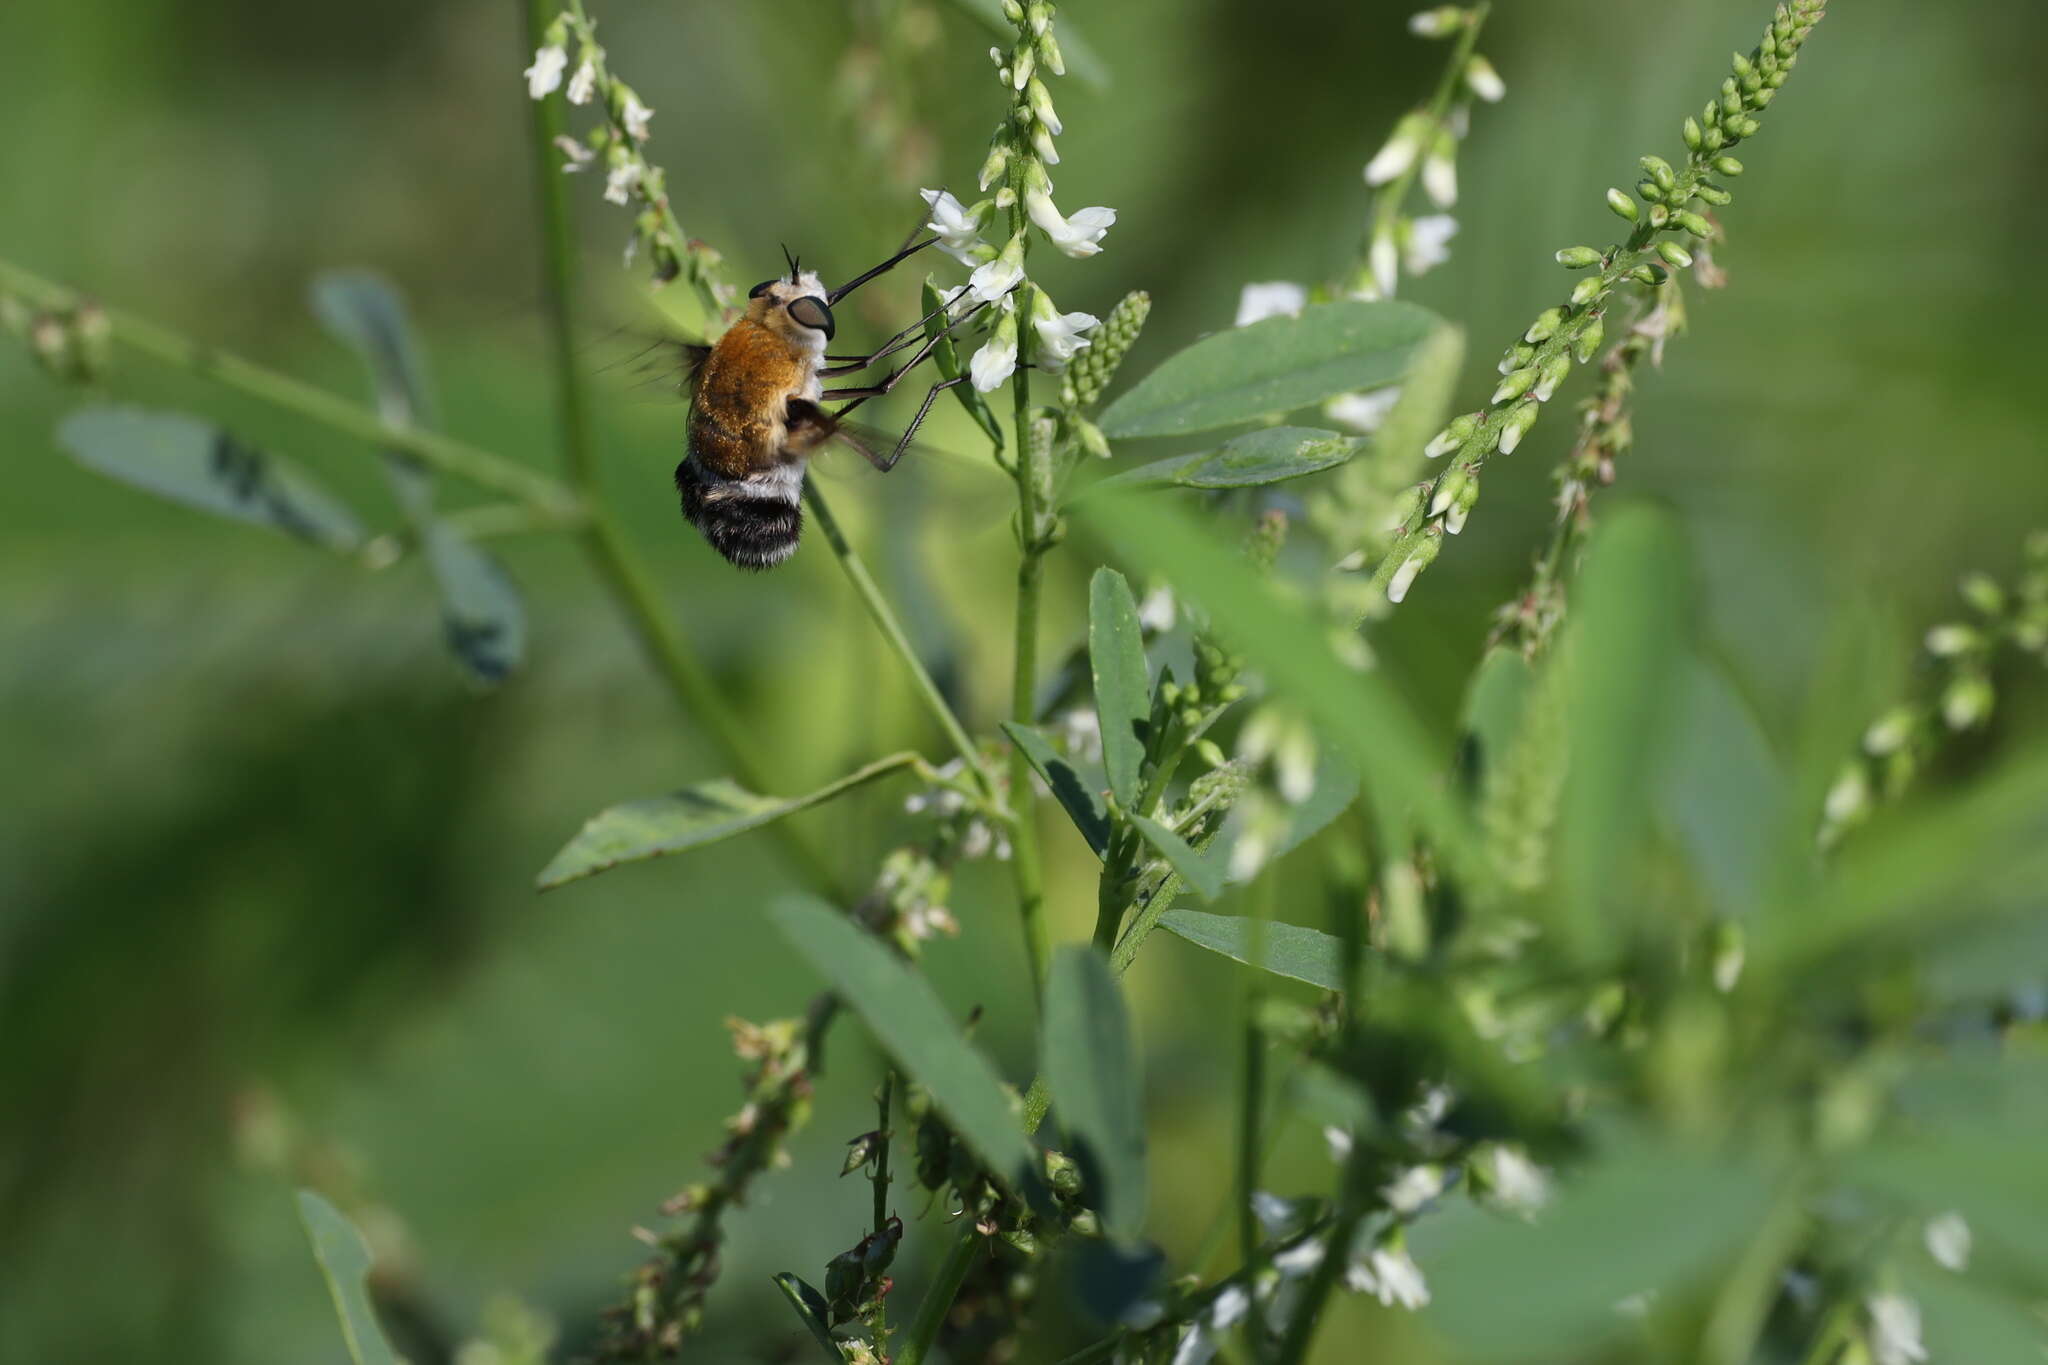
{"type": "Point", "coordinates": [858, 280]}
{"type": "Point", "coordinates": [792, 261]}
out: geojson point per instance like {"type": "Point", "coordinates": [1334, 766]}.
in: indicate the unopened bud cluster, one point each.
{"type": "Point", "coordinates": [1669, 204]}
{"type": "Point", "coordinates": [1959, 696]}
{"type": "Point", "coordinates": [616, 146]}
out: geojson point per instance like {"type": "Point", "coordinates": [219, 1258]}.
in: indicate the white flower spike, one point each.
{"type": "Point", "coordinates": [956, 227]}
{"type": "Point", "coordinates": [1079, 235]}
{"type": "Point", "coordinates": [996, 361]}
{"type": "Point", "coordinates": [583, 83]}
{"type": "Point", "coordinates": [1429, 243]}
{"type": "Point", "coordinates": [1895, 1330]}
{"type": "Point", "coordinates": [634, 115]}
{"type": "Point", "coordinates": [1060, 336]}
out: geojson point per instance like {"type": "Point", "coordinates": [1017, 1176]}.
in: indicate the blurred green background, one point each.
{"type": "Point", "coordinates": [266, 863]}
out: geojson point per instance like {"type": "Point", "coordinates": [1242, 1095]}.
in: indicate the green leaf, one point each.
{"type": "Point", "coordinates": [1123, 686]}
{"type": "Point", "coordinates": [1360, 715]}
{"type": "Point", "coordinates": [1967, 1320]}
{"type": "Point", "coordinates": [1723, 793]}
{"type": "Point", "coordinates": [1273, 366]}
{"type": "Point", "coordinates": [1081, 60]}
{"type": "Point", "coordinates": [1268, 455]}
{"type": "Point", "coordinates": [1080, 798]}
{"type": "Point", "coordinates": [1202, 871]}
{"type": "Point", "coordinates": [1626, 650]}
{"type": "Point", "coordinates": [1271, 945]}
{"type": "Point", "coordinates": [689, 819]}
{"type": "Point", "coordinates": [1645, 1218]}
{"type": "Point", "coordinates": [810, 1306]}
{"type": "Point", "coordinates": [947, 358]}
{"type": "Point", "coordinates": [192, 462]}
{"type": "Point", "coordinates": [345, 1262]}
{"type": "Point", "coordinates": [1494, 702]}
{"type": "Point", "coordinates": [1336, 787]}
{"type": "Point", "coordinates": [1091, 1066]}
{"type": "Point", "coordinates": [913, 1027]}
{"type": "Point", "coordinates": [481, 610]}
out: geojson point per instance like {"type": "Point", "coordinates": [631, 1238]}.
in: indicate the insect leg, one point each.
{"type": "Point", "coordinates": [923, 410]}
{"type": "Point", "coordinates": [861, 393]}
{"type": "Point", "coordinates": [847, 364]}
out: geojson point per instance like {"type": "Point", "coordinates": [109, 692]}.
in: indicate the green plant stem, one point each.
{"type": "Point", "coordinates": [1024, 863]}
{"type": "Point", "coordinates": [938, 1300]}
{"type": "Point", "coordinates": [1351, 1208]}
{"type": "Point", "coordinates": [604, 541]}
{"type": "Point", "coordinates": [1388, 204]}
{"type": "Point", "coordinates": [892, 631]}
{"type": "Point", "coordinates": [1250, 1098]}
{"type": "Point", "coordinates": [452, 457]}
{"type": "Point", "coordinates": [881, 1183]}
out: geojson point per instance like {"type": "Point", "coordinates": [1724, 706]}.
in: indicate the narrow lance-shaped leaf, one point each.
{"type": "Point", "coordinates": [689, 819]}
{"type": "Point", "coordinates": [193, 462]}
{"type": "Point", "coordinates": [1358, 713]}
{"type": "Point", "coordinates": [1204, 872]}
{"type": "Point", "coordinates": [1289, 950]}
{"type": "Point", "coordinates": [1274, 366]}
{"type": "Point", "coordinates": [345, 1262]}
{"type": "Point", "coordinates": [913, 1027]}
{"type": "Point", "coordinates": [1123, 687]}
{"type": "Point", "coordinates": [1091, 1066]}
{"type": "Point", "coordinates": [1266, 456]}
{"type": "Point", "coordinates": [810, 1306]}
{"type": "Point", "coordinates": [1080, 798]}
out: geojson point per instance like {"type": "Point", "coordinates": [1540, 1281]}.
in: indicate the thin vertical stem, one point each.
{"type": "Point", "coordinates": [938, 1300]}
{"type": "Point", "coordinates": [880, 1177]}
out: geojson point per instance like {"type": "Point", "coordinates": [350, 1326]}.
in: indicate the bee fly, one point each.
{"type": "Point", "coordinates": [756, 416]}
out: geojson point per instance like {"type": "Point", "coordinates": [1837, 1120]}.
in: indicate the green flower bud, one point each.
{"type": "Point", "coordinates": [1545, 326]}
{"type": "Point", "coordinates": [1449, 439]}
{"type": "Point", "coordinates": [1409, 559]}
{"type": "Point", "coordinates": [1515, 357]}
{"type": "Point", "coordinates": [1744, 127]}
{"type": "Point", "coordinates": [1693, 223]}
{"type": "Point", "coordinates": [1091, 438]}
{"type": "Point", "coordinates": [1089, 372]}
{"type": "Point", "coordinates": [1982, 592]}
{"type": "Point", "coordinates": [1589, 289]}
{"type": "Point", "coordinates": [1517, 426]}
{"type": "Point", "coordinates": [1554, 372]}
{"type": "Point", "coordinates": [1660, 171]}
{"type": "Point", "coordinates": [1728, 166]}
{"type": "Point", "coordinates": [1953, 638]}
{"type": "Point", "coordinates": [1713, 194]}
{"type": "Point", "coordinates": [1652, 275]}
{"type": "Point", "coordinates": [1716, 139]}
{"type": "Point", "coordinates": [1587, 342]}
{"type": "Point", "coordinates": [1674, 254]}
{"type": "Point", "coordinates": [1578, 257]}
{"type": "Point", "coordinates": [1623, 206]}
{"type": "Point", "coordinates": [1694, 137]}
{"type": "Point", "coordinates": [1650, 192]}
{"type": "Point", "coordinates": [1967, 702]}
{"type": "Point", "coordinates": [1890, 732]}
{"type": "Point", "coordinates": [1515, 385]}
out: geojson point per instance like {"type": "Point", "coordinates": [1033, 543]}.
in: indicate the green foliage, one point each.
{"type": "Point", "coordinates": [192, 462]}
{"type": "Point", "coordinates": [1091, 1067]}
{"type": "Point", "coordinates": [345, 1263]}
{"type": "Point", "coordinates": [1076, 794]}
{"type": "Point", "coordinates": [691, 818]}
{"type": "Point", "coordinates": [1288, 950]}
{"type": "Point", "coordinates": [1123, 687]}
{"type": "Point", "coordinates": [1270, 455]}
{"type": "Point", "coordinates": [1273, 366]}
{"type": "Point", "coordinates": [910, 1023]}
{"type": "Point", "coordinates": [811, 1310]}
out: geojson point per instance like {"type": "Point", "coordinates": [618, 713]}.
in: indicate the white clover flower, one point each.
{"type": "Point", "coordinates": [1429, 243]}
{"type": "Point", "coordinates": [995, 279]}
{"type": "Point", "coordinates": [1484, 81]}
{"type": "Point", "coordinates": [1196, 1347]}
{"type": "Point", "coordinates": [955, 225]}
{"type": "Point", "coordinates": [1272, 299]}
{"type": "Point", "coordinates": [1229, 1307]}
{"type": "Point", "coordinates": [634, 115]}
{"type": "Point", "coordinates": [1888, 733]}
{"type": "Point", "coordinates": [1362, 411]}
{"type": "Point", "coordinates": [1384, 257]}
{"type": "Point", "coordinates": [1849, 797]}
{"type": "Point", "coordinates": [622, 180]}
{"type": "Point", "coordinates": [1158, 611]}
{"type": "Point", "coordinates": [1059, 334]}
{"type": "Point", "coordinates": [1297, 1261]}
{"type": "Point", "coordinates": [1948, 1241]}
{"type": "Point", "coordinates": [1440, 22]}
{"type": "Point", "coordinates": [1390, 1275]}
{"type": "Point", "coordinates": [545, 74]}
{"type": "Point", "coordinates": [1393, 160]}
{"type": "Point", "coordinates": [1895, 1330]}
{"type": "Point", "coordinates": [1519, 1184]}
{"type": "Point", "coordinates": [1413, 1188]}
{"type": "Point", "coordinates": [1275, 1215]}
{"type": "Point", "coordinates": [575, 156]}
{"type": "Point", "coordinates": [583, 83]}
{"type": "Point", "coordinates": [1339, 1141]}
{"type": "Point", "coordinates": [1440, 173]}
{"type": "Point", "coordinates": [995, 362]}
{"type": "Point", "coordinates": [1078, 235]}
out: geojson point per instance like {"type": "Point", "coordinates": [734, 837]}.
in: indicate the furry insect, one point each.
{"type": "Point", "coordinates": [756, 416]}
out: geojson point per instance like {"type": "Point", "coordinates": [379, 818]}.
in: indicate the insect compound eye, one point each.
{"type": "Point", "coordinates": [811, 311]}
{"type": "Point", "coordinates": [758, 290]}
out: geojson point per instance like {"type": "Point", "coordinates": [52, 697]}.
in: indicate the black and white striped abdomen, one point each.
{"type": "Point", "coordinates": [753, 521]}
